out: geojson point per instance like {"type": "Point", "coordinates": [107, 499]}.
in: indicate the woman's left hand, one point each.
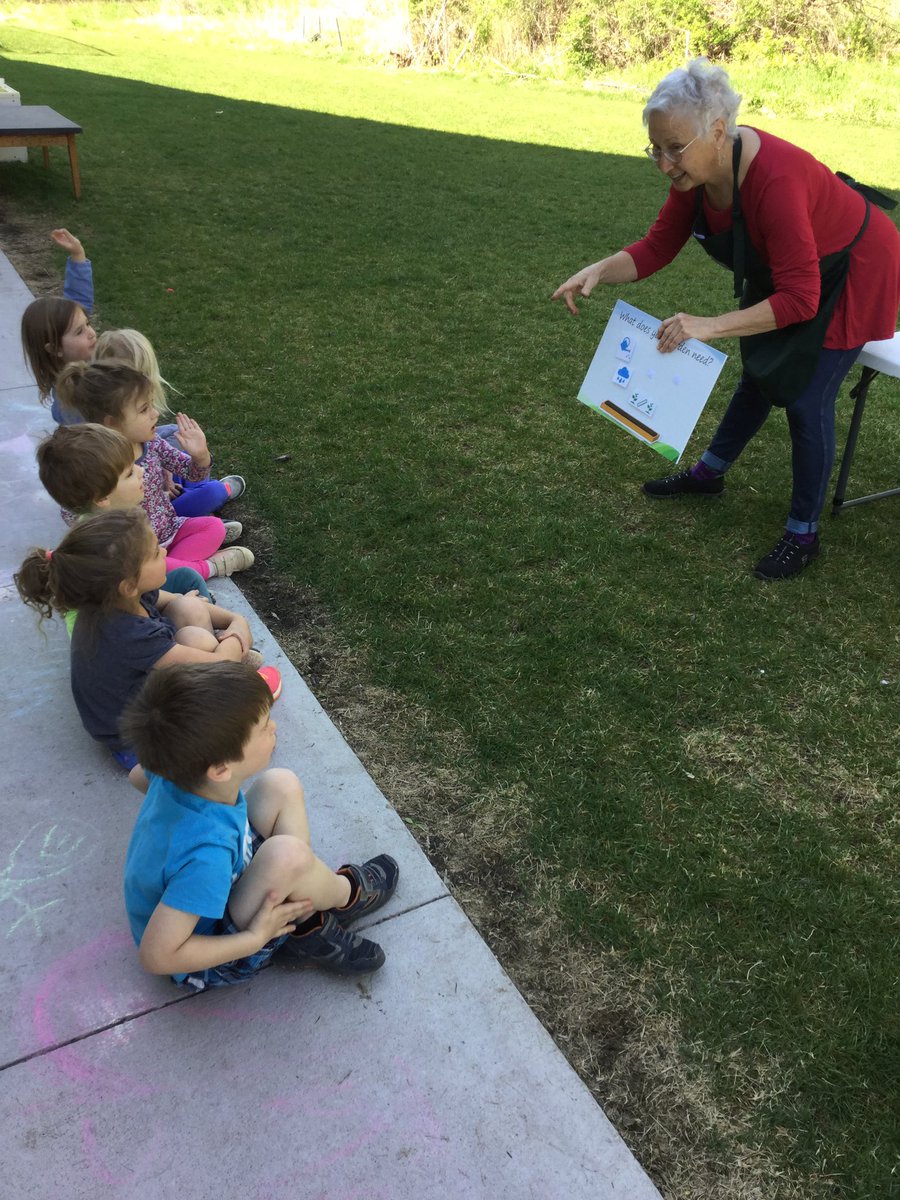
{"type": "Point", "coordinates": [675, 330]}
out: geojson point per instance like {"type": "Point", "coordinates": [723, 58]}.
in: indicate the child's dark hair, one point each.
{"type": "Point", "coordinates": [44, 322]}
{"type": "Point", "coordinates": [81, 464]}
{"type": "Point", "coordinates": [190, 717]}
{"type": "Point", "coordinates": [86, 568]}
{"type": "Point", "coordinates": [99, 390]}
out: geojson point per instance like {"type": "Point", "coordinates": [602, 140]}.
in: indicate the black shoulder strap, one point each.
{"type": "Point", "coordinates": [870, 193]}
{"type": "Point", "coordinates": [738, 232]}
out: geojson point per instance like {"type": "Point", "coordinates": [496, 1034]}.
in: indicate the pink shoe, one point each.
{"type": "Point", "coordinates": [272, 676]}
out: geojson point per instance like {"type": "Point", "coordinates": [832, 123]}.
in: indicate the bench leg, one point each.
{"type": "Point", "coordinates": [858, 394]}
{"type": "Point", "coordinates": [45, 150]}
{"type": "Point", "coordinates": [73, 163]}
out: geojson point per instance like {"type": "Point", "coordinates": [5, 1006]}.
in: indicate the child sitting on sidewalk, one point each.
{"type": "Point", "coordinates": [58, 331]}
{"type": "Point", "coordinates": [89, 468]}
{"type": "Point", "coordinates": [217, 882]}
{"type": "Point", "coordinates": [110, 568]}
{"type": "Point", "coordinates": [190, 498]}
{"type": "Point", "coordinates": [116, 395]}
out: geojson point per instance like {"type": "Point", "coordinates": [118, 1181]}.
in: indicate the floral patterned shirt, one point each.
{"type": "Point", "coordinates": [157, 457]}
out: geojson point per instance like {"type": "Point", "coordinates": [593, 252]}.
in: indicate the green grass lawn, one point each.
{"type": "Point", "coordinates": [352, 267]}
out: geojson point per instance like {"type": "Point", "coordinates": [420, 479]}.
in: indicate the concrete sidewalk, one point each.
{"type": "Point", "coordinates": [430, 1080]}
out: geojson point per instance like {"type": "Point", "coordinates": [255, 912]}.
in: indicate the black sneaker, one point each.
{"type": "Point", "coordinates": [684, 484]}
{"type": "Point", "coordinates": [786, 559]}
{"type": "Point", "coordinates": [372, 885]}
{"type": "Point", "coordinates": [329, 946]}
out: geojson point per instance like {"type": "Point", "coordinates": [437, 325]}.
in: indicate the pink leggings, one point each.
{"type": "Point", "coordinates": [195, 541]}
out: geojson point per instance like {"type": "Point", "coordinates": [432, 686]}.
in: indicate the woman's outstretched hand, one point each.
{"type": "Point", "coordinates": [581, 284]}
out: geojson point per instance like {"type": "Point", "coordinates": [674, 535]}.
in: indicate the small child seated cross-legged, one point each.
{"type": "Point", "coordinates": [217, 881]}
{"type": "Point", "coordinates": [90, 468]}
{"type": "Point", "coordinates": [116, 395]}
{"type": "Point", "coordinates": [110, 568]}
{"type": "Point", "coordinates": [190, 498]}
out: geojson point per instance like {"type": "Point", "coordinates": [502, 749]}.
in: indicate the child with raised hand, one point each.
{"type": "Point", "coordinates": [56, 331]}
{"type": "Point", "coordinates": [218, 882]}
{"type": "Point", "coordinates": [189, 498]}
{"type": "Point", "coordinates": [110, 567]}
{"type": "Point", "coordinates": [113, 394]}
{"type": "Point", "coordinates": [90, 468]}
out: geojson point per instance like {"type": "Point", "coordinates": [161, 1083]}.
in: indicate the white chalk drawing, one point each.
{"type": "Point", "coordinates": [44, 853]}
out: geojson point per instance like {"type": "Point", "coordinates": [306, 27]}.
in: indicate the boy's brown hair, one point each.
{"type": "Point", "coordinates": [193, 716]}
{"type": "Point", "coordinates": [99, 390]}
{"type": "Point", "coordinates": [81, 464]}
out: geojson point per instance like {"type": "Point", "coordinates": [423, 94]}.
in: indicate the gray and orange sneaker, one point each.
{"type": "Point", "coordinates": [372, 884]}
{"type": "Point", "coordinates": [323, 942]}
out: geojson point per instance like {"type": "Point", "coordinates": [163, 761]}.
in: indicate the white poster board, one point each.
{"type": "Point", "coordinates": [657, 397]}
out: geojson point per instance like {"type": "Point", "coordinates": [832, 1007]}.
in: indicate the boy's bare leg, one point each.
{"type": "Point", "coordinates": [275, 804]}
{"type": "Point", "coordinates": [285, 867]}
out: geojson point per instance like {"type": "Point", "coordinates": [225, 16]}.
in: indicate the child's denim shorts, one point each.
{"type": "Point", "coordinates": [238, 971]}
{"type": "Point", "coordinates": [241, 969]}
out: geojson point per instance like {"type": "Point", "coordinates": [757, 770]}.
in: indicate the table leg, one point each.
{"type": "Point", "coordinates": [45, 150]}
{"type": "Point", "coordinates": [859, 394]}
{"type": "Point", "coordinates": [73, 163]}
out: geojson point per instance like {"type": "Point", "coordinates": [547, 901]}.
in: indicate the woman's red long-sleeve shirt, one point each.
{"type": "Point", "coordinates": [797, 211]}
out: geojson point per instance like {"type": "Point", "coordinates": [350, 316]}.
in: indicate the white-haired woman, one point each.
{"type": "Point", "coordinates": [816, 265]}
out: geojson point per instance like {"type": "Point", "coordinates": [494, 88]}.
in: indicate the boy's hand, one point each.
{"type": "Point", "coordinates": [70, 243]}
{"type": "Point", "coordinates": [272, 919]}
{"type": "Point", "coordinates": [192, 439]}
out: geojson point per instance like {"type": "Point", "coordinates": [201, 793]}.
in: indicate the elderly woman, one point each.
{"type": "Point", "coordinates": [817, 268]}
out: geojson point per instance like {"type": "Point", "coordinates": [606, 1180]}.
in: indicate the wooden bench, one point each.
{"type": "Point", "coordinates": [38, 125]}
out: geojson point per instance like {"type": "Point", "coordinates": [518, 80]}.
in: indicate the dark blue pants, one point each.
{"type": "Point", "coordinates": [811, 422]}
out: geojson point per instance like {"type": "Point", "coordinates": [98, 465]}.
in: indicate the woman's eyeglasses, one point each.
{"type": "Point", "coordinates": [674, 156]}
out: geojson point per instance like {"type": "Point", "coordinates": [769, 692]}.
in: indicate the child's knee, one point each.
{"type": "Point", "coordinates": [189, 610]}
{"type": "Point", "coordinates": [285, 857]}
{"type": "Point", "coordinates": [280, 783]}
{"type": "Point", "coordinates": [197, 639]}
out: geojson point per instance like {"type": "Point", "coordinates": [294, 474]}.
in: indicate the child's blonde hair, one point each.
{"type": "Point", "coordinates": [86, 568]}
{"type": "Point", "coordinates": [98, 390]}
{"type": "Point", "coordinates": [130, 346]}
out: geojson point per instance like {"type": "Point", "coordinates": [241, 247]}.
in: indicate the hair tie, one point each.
{"type": "Point", "coordinates": [49, 554]}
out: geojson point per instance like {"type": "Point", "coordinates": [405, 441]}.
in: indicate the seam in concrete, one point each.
{"type": "Point", "coordinates": [180, 999]}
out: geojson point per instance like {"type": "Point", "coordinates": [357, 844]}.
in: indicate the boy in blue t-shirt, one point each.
{"type": "Point", "coordinates": [216, 882]}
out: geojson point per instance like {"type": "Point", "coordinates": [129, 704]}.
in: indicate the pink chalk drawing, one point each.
{"type": "Point", "coordinates": [45, 852]}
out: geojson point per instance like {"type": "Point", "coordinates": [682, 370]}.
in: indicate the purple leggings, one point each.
{"type": "Point", "coordinates": [200, 499]}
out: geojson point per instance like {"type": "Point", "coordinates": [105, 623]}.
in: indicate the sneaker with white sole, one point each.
{"type": "Point", "coordinates": [235, 485]}
{"type": "Point", "coordinates": [227, 562]}
{"type": "Point", "coordinates": [233, 530]}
